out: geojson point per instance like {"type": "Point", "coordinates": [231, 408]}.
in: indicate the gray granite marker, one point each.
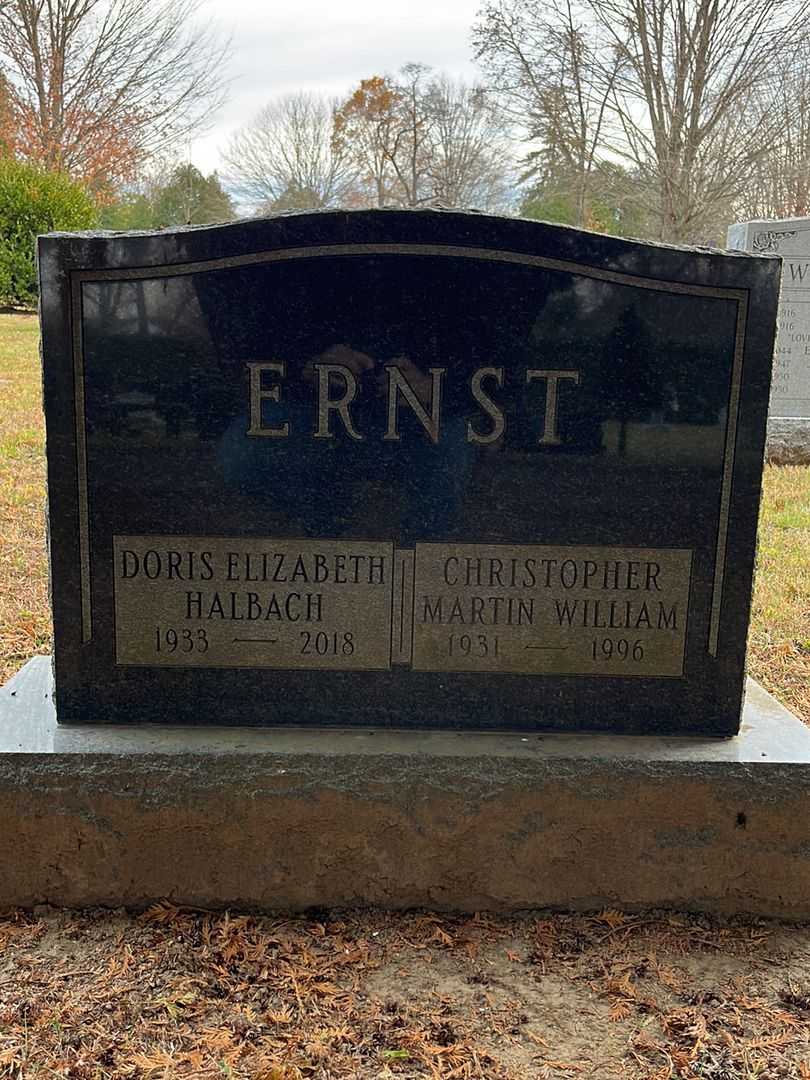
{"type": "Point", "coordinates": [789, 413]}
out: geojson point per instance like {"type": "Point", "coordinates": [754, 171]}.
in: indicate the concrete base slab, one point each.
{"type": "Point", "coordinates": [291, 819]}
{"type": "Point", "coordinates": [788, 441]}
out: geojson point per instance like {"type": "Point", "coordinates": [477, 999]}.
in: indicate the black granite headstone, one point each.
{"type": "Point", "coordinates": [413, 469]}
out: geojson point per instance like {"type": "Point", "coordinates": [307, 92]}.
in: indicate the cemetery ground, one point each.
{"type": "Point", "coordinates": [175, 993]}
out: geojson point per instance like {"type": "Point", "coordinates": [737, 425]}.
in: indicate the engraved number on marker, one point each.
{"type": "Point", "coordinates": [167, 639]}
{"type": "Point", "coordinates": [475, 645]}
{"type": "Point", "coordinates": [322, 644]}
{"type": "Point", "coordinates": [617, 649]}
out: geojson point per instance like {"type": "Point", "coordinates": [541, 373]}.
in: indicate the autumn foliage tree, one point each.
{"type": "Point", "coordinates": [9, 133]}
{"type": "Point", "coordinates": [97, 86]}
{"type": "Point", "coordinates": [421, 139]}
{"type": "Point", "coordinates": [367, 129]}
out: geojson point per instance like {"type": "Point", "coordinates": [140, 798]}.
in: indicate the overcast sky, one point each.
{"type": "Point", "coordinates": [328, 45]}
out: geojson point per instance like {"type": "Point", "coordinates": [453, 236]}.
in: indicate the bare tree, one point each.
{"type": "Point", "coordinates": [470, 163]}
{"type": "Point", "coordinates": [544, 62]}
{"type": "Point", "coordinates": [682, 90]}
{"type": "Point", "coordinates": [409, 151]}
{"type": "Point", "coordinates": [287, 158]}
{"type": "Point", "coordinates": [100, 85]}
{"type": "Point", "coordinates": [779, 182]}
{"type": "Point", "coordinates": [693, 97]}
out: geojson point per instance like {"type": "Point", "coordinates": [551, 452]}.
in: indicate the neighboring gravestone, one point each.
{"type": "Point", "coordinates": [403, 469]}
{"type": "Point", "coordinates": [789, 414]}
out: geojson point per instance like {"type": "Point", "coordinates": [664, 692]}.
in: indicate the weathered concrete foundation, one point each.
{"type": "Point", "coordinates": [788, 441]}
{"type": "Point", "coordinates": [269, 818]}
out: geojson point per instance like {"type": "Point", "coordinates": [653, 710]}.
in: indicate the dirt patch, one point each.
{"type": "Point", "coordinates": [173, 993]}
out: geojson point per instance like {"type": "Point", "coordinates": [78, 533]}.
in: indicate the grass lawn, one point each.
{"type": "Point", "coordinates": [779, 647]}
{"type": "Point", "coordinates": [25, 624]}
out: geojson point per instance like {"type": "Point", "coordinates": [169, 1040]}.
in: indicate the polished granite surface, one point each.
{"type": "Point", "coordinates": [423, 469]}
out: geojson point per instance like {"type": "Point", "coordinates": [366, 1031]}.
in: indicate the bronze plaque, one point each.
{"type": "Point", "coordinates": [550, 610]}
{"type": "Point", "coordinates": [202, 601]}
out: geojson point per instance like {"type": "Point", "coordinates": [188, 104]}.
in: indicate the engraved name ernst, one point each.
{"type": "Point", "coordinates": [335, 387]}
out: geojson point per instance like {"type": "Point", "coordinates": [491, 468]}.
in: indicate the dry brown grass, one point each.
{"type": "Point", "coordinates": [25, 625]}
{"type": "Point", "coordinates": [779, 653]}
{"type": "Point", "coordinates": [779, 639]}
{"type": "Point", "coordinates": [371, 996]}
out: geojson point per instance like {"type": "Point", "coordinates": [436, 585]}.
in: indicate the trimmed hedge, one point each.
{"type": "Point", "coordinates": [33, 201]}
